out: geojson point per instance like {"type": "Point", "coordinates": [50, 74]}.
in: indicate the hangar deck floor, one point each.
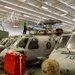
{"type": "Point", "coordinates": [36, 70]}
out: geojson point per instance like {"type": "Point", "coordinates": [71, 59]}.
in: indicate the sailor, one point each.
{"type": "Point", "coordinates": [57, 35]}
{"type": "Point", "coordinates": [25, 27]}
{"type": "Point", "coordinates": [59, 32]}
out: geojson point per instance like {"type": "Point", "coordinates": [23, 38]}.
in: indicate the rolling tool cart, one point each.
{"type": "Point", "coordinates": [15, 63]}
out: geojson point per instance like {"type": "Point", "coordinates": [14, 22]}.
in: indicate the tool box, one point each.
{"type": "Point", "coordinates": [15, 63]}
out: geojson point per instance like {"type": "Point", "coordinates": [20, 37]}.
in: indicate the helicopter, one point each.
{"type": "Point", "coordinates": [36, 47]}
{"type": "Point", "coordinates": [33, 46]}
{"type": "Point", "coordinates": [64, 54]}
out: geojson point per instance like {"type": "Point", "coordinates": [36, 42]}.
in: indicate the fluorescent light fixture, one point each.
{"type": "Point", "coordinates": [64, 14]}
{"type": "Point", "coordinates": [48, 3]}
{"type": "Point", "coordinates": [44, 17]}
{"type": "Point", "coordinates": [26, 15]}
{"type": "Point", "coordinates": [56, 13]}
{"type": "Point", "coordinates": [63, 2]}
{"type": "Point", "coordinates": [73, 7]}
{"type": "Point", "coordinates": [44, 7]}
{"type": "Point", "coordinates": [7, 7]}
{"type": "Point", "coordinates": [15, 26]}
{"type": "Point", "coordinates": [61, 9]}
{"type": "Point", "coordinates": [73, 19]}
{"type": "Point", "coordinates": [31, 4]}
{"type": "Point", "coordinates": [22, 0]}
{"type": "Point", "coordinates": [67, 22]}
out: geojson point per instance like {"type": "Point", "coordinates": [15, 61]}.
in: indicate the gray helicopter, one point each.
{"type": "Point", "coordinates": [64, 53]}
{"type": "Point", "coordinates": [33, 46]}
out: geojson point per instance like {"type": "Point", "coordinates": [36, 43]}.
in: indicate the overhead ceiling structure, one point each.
{"type": "Point", "coordinates": [39, 10]}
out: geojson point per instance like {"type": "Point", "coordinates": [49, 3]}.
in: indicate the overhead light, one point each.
{"type": "Point", "coordinates": [64, 14]}
{"type": "Point", "coordinates": [48, 3]}
{"type": "Point", "coordinates": [44, 7]}
{"type": "Point", "coordinates": [56, 13]}
{"type": "Point", "coordinates": [72, 7]}
{"type": "Point", "coordinates": [31, 4]}
{"type": "Point", "coordinates": [44, 17]}
{"type": "Point", "coordinates": [7, 7]}
{"type": "Point", "coordinates": [22, 0]}
{"type": "Point", "coordinates": [61, 9]}
{"type": "Point", "coordinates": [73, 19]}
{"type": "Point", "coordinates": [26, 15]}
{"type": "Point", "coordinates": [42, 0]}
{"type": "Point", "coordinates": [15, 26]}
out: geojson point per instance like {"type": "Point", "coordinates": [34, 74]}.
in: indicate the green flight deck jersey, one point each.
{"type": "Point", "coordinates": [25, 23]}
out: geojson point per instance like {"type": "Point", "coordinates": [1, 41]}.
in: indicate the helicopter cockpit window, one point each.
{"type": "Point", "coordinates": [23, 43]}
{"type": "Point", "coordinates": [10, 41]}
{"type": "Point", "coordinates": [64, 41]}
{"type": "Point", "coordinates": [33, 44]}
{"type": "Point", "coordinates": [71, 43]}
